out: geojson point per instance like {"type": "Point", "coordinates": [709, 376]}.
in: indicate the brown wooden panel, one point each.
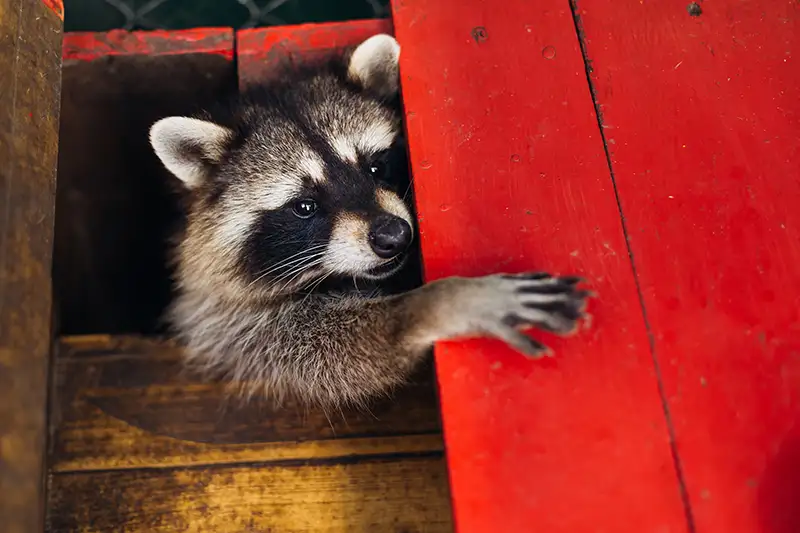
{"type": "Point", "coordinates": [382, 495]}
{"type": "Point", "coordinates": [125, 402]}
{"type": "Point", "coordinates": [30, 80]}
{"type": "Point", "coordinates": [115, 203]}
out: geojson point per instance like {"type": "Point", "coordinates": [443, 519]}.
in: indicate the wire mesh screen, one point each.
{"type": "Point", "coordinates": [102, 15]}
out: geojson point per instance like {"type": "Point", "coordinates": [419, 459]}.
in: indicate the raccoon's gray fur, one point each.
{"type": "Point", "coordinates": [296, 227]}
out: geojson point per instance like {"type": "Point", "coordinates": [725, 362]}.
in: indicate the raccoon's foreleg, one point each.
{"type": "Point", "coordinates": [354, 348]}
{"type": "Point", "coordinates": [495, 306]}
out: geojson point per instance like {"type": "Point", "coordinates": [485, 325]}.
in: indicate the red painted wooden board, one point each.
{"type": "Point", "coordinates": [262, 52]}
{"type": "Point", "coordinates": [510, 175]}
{"type": "Point", "coordinates": [87, 46]}
{"type": "Point", "coordinates": [56, 6]}
{"type": "Point", "coordinates": [702, 117]}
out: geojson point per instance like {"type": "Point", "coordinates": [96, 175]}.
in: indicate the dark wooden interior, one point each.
{"type": "Point", "coordinates": [115, 204]}
{"type": "Point", "coordinates": [136, 443]}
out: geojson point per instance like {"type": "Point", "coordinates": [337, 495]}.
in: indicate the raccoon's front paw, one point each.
{"type": "Point", "coordinates": [503, 304]}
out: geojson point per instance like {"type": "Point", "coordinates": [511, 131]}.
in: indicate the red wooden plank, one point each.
{"type": "Point", "coordinates": [510, 175]}
{"type": "Point", "coordinates": [87, 46]}
{"type": "Point", "coordinates": [262, 52]}
{"type": "Point", "coordinates": [56, 6]}
{"type": "Point", "coordinates": [702, 115]}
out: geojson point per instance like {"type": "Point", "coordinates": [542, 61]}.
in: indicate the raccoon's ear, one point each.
{"type": "Point", "coordinates": [189, 147]}
{"type": "Point", "coordinates": [374, 65]}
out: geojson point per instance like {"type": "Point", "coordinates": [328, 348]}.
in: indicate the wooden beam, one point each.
{"type": "Point", "coordinates": [510, 175]}
{"type": "Point", "coordinates": [125, 402]}
{"type": "Point", "coordinates": [87, 46]}
{"type": "Point", "coordinates": [701, 115]}
{"type": "Point", "coordinates": [30, 88]}
{"type": "Point", "coordinates": [264, 52]}
{"type": "Point", "coordinates": [357, 495]}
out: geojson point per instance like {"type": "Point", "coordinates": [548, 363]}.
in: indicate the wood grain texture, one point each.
{"type": "Point", "coordinates": [400, 494]}
{"type": "Point", "coordinates": [702, 119]}
{"type": "Point", "coordinates": [262, 53]}
{"type": "Point", "coordinates": [510, 175]}
{"type": "Point", "coordinates": [124, 402]}
{"type": "Point", "coordinates": [30, 78]}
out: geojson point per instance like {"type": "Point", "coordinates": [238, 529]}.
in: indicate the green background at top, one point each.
{"type": "Point", "coordinates": [102, 15]}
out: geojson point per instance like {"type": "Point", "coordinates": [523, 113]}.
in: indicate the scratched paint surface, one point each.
{"type": "Point", "coordinates": [264, 52]}
{"type": "Point", "coordinates": [702, 115]}
{"type": "Point", "coordinates": [87, 46]}
{"type": "Point", "coordinates": [510, 175]}
{"type": "Point", "coordinates": [56, 6]}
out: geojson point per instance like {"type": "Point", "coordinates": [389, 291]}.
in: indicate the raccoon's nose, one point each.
{"type": "Point", "coordinates": [389, 236]}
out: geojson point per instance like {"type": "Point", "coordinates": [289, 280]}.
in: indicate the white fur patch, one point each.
{"type": "Point", "coordinates": [348, 250]}
{"type": "Point", "coordinates": [276, 193]}
{"type": "Point", "coordinates": [375, 138]}
{"type": "Point", "coordinates": [367, 141]}
{"type": "Point", "coordinates": [374, 64]}
{"type": "Point", "coordinates": [313, 167]}
{"type": "Point", "coordinates": [345, 148]}
{"type": "Point", "coordinates": [183, 144]}
{"type": "Point", "coordinates": [234, 228]}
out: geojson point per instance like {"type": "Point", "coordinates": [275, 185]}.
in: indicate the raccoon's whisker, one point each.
{"type": "Point", "coordinates": [315, 285]}
{"type": "Point", "coordinates": [301, 252]}
{"type": "Point", "coordinates": [295, 273]}
{"type": "Point", "coordinates": [408, 190]}
{"type": "Point", "coordinates": [294, 263]}
{"type": "Point", "coordinates": [283, 264]}
{"type": "Point", "coordinates": [292, 258]}
{"type": "Point", "coordinates": [299, 274]}
{"type": "Point", "coordinates": [300, 268]}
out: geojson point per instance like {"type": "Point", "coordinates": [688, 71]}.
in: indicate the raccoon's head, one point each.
{"type": "Point", "coordinates": [301, 180]}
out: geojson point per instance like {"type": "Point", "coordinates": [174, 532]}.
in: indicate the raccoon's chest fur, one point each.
{"type": "Point", "coordinates": [298, 346]}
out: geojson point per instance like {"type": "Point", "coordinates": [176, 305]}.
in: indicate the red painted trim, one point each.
{"type": "Point", "coordinates": [56, 6]}
{"type": "Point", "coordinates": [261, 51]}
{"type": "Point", "coordinates": [702, 118]}
{"type": "Point", "coordinates": [87, 46]}
{"type": "Point", "coordinates": [510, 174]}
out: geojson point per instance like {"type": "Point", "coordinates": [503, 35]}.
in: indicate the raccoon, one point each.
{"type": "Point", "coordinates": [299, 228]}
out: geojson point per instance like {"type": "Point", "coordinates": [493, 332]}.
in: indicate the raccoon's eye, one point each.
{"type": "Point", "coordinates": [378, 168]}
{"type": "Point", "coordinates": [304, 208]}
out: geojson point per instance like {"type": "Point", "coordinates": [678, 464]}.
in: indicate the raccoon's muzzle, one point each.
{"type": "Point", "coordinates": [389, 236]}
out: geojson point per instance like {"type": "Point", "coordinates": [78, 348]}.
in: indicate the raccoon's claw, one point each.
{"type": "Point", "coordinates": [540, 300]}
{"type": "Point", "coordinates": [553, 304]}
{"type": "Point", "coordinates": [528, 346]}
{"type": "Point", "coordinates": [545, 277]}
